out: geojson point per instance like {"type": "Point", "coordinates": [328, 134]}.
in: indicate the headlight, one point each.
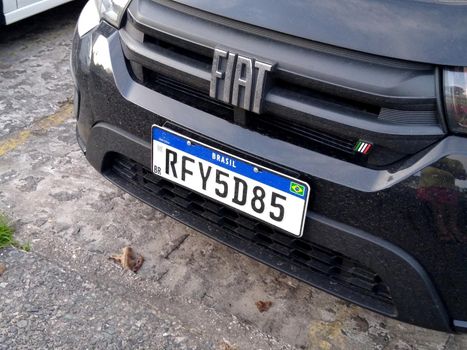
{"type": "Point", "coordinates": [455, 93]}
{"type": "Point", "coordinates": [89, 18]}
{"type": "Point", "coordinates": [112, 10]}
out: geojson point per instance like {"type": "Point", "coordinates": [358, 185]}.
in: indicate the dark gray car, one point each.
{"type": "Point", "coordinates": [323, 138]}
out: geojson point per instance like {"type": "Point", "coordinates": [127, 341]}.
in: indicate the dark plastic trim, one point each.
{"type": "Point", "coordinates": [440, 99]}
{"type": "Point", "coordinates": [196, 75]}
{"type": "Point", "coordinates": [166, 62]}
{"type": "Point", "coordinates": [386, 258]}
{"type": "Point", "coordinates": [419, 304]}
{"type": "Point", "coordinates": [278, 99]}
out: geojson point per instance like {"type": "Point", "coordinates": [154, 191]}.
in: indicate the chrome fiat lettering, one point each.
{"type": "Point", "coordinates": [238, 80]}
{"type": "Point", "coordinates": [229, 71]}
{"type": "Point", "coordinates": [217, 72]}
{"type": "Point", "coordinates": [243, 77]}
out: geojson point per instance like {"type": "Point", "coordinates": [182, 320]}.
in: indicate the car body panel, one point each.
{"type": "Point", "coordinates": [354, 209]}
{"type": "Point", "coordinates": [9, 5]}
{"type": "Point", "coordinates": [405, 29]}
{"type": "Point", "coordinates": [27, 8]}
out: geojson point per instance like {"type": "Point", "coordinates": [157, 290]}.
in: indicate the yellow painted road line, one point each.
{"type": "Point", "coordinates": [19, 138]}
{"type": "Point", "coordinates": [328, 335]}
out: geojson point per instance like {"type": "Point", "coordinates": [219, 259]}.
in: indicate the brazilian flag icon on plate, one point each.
{"type": "Point", "coordinates": [297, 188]}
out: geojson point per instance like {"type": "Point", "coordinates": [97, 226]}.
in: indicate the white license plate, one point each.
{"type": "Point", "coordinates": [271, 197]}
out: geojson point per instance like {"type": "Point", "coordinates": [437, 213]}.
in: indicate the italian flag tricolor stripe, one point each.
{"type": "Point", "coordinates": [362, 147]}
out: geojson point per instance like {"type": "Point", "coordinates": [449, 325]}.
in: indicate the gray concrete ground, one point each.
{"type": "Point", "coordinates": [191, 292]}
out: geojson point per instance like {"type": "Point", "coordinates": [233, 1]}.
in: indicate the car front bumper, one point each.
{"type": "Point", "coordinates": [380, 222]}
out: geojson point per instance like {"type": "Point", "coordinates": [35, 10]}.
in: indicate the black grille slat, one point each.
{"type": "Point", "coordinates": [187, 94]}
{"type": "Point", "coordinates": [127, 173]}
{"type": "Point", "coordinates": [298, 252]}
{"type": "Point", "coordinates": [299, 134]}
{"type": "Point", "coordinates": [286, 130]}
{"type": "Point", "coordinates": [248, 234]}
{"type": "Point", "coordinates": [182, 202]}
{"type": "Point", "coordinates": [323, 268]}
{"type": "Point", "coordinates": [408, 117]}
{"type": "Point", "coordinates": [322, 137]}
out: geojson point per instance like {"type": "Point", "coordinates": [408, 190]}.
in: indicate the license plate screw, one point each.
{"type": "Point", "coordinates": [188, 143]}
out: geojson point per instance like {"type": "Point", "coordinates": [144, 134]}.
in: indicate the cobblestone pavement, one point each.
{"type": "Point", "coordinates": [191, 292]}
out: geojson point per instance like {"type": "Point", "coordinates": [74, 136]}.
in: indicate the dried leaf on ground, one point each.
{"type": "Point", "coordinates": [263, 306]}
{"type": "Point", "coordinates": [226, 345]}
{"type": "Point", "coordinates": [128, 259]}
{"type": "Point", "coordinates": [2, 269]}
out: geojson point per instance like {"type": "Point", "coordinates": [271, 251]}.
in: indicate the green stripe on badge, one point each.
{"type": "Point", "coordinates": [357, 146]}
{"type": "Point", "coordinates": [297, 188]}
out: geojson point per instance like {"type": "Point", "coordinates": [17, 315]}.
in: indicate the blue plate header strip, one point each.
{"type": "Point", "coordinates": [229, 162]}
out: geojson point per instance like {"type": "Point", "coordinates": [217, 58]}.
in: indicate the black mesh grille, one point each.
{"type": "Point", "coordinates": [297, 108]}
{"type": "Point", "coordinates": [290, 131]}
{"type": "Point", "coordinates": [301, 135]}
{"type": "Point", "coordinates": [187, 94]}
{"type": "Point", "coordinates": [321, 109]}
{"type": "Point", "coordinates": [297, 252]}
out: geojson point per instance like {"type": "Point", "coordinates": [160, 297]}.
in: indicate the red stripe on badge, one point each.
{"type": "Point", "coordinates": [366, 149]}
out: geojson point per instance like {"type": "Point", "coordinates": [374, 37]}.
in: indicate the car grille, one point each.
{"type": "Point", "coordinates": [326, 111]}
{"type": "Point", "coordinates": [309, 262]}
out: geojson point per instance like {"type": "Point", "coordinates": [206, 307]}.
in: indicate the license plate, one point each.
{"type": "Point", "coordinates": [273, 198]}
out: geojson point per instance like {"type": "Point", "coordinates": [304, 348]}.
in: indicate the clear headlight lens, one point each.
{"type": "Point", "coordinates": [112, 10]}
{"type": "Point", "coordinates": [89, 18]}
{"type": "Point", "coordinates": [455, 94]}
